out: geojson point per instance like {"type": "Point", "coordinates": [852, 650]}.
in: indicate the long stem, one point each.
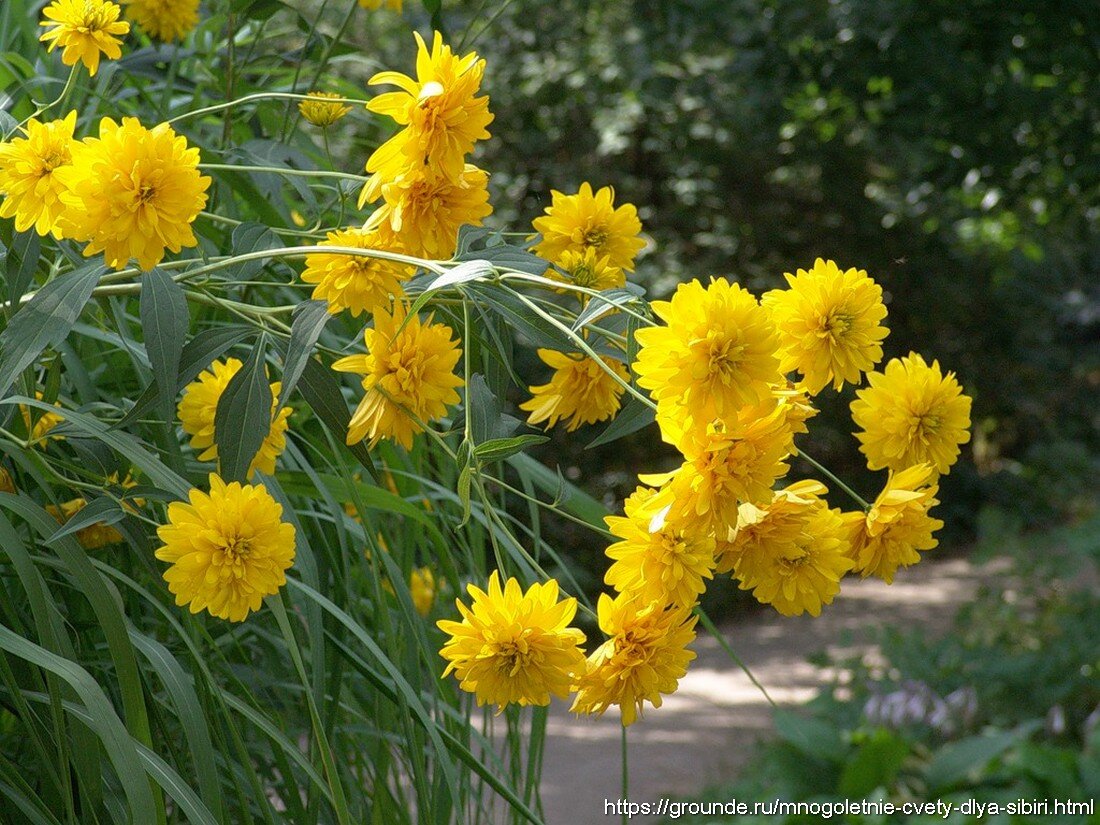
{"type": "Point", "coordinates": [821, 469]}
{"type": "Point", "coordinates": [218, 107]}
{"type": "Point", "coordinates": [299, 173]}
{"type": "Point", "coordinates": [713, 630]}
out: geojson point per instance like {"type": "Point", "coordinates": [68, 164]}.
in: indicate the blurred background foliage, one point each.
{"type": "Point", "coordinates": [951, 149]}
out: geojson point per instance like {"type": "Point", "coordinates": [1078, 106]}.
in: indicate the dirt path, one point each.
{"type": "Point", "coordinates": [704, 732]}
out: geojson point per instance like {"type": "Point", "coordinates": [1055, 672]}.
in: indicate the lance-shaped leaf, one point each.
{"type": "Point", "coordinates": [164, 323]}
{"type": "Point", "coordinates": [243, 418]}
{"type": "Point", "coordinates": [310, 318]}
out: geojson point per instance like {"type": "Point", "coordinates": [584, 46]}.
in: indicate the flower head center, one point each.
{"type": "Point", "coordinates": [835, 325]}
{"type": "Point", "coordinates": [236, 549]}
{"type": "Point", "coordinates": [595, 237]}
{"type": "Point", "coordinates": [720, 355]}
{"type": "Point", "coordinates": [583, 275]}
{"type": "Point", "coordinates": [95, 18]}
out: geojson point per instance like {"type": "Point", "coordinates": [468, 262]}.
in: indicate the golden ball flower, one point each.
{"type": "Point", "coordinates": [198, 409]}
{"type": "Point", "coordinates": [580, 391]}
{"type": "Point", "coordinates": [829, 323]}
{"type": "Point", "coordinates": [587, 220]}
{"type": "Point", "coordinates": [83, 29]}
{"type": "Point", "coordinates": [28, 180]}
{"type": "Point", "coordinates": [408, 375]}
{"type": "Point", "coordinates": [791, 553]}
{"type": "Point", "coordinates": [227, 549]}
{"type": "Point", "coordinates": [646, 656]}
{"type": "Point", "coordinates": [164, 20]}
{"type": "Point", "coordinates": [911, 413]}
{"type": "Point", "coordinates": [323, 108]}
{"type": "Point", "coordinates": [588, 269]}
{"type": "Point", "coordinates": [132, 192]}
{"type": "Point", "coordinates": [898, 524]}
{"type": "Point", "coordinates": [440, 111]}
{"type": "Point", "coordinates": [658, 561]}
{"type": "Point", "coordinates": [425, 210]}
{"type": "Point", "coordinates": [357, 284]}
{"type": "Point", "coordinates": [715, 354]}
{"type": "Point", "coordinates": [514, 647]}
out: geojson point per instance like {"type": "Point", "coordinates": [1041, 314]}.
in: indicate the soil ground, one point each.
{"type": "Point", "coordinates": [704, 732]}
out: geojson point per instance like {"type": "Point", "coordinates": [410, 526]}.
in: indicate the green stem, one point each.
{"type": "Point", "coordinates": [713, 630]}
{"type": "Point", "coordinates": [218, 107]}
{"type": "Point", "coordinates": [821, 469]}
{"type": "Point", "coordinates": [299, 173]}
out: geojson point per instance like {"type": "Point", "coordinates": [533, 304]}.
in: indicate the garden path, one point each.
{"type": "Point", "coordinates": [704, 732]}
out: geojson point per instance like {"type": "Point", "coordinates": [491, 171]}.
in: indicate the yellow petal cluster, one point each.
{"type": "Point", "coordinates": [580, 391]}
{"type": "Point", "coordinates": [198, 409]}
{"type": "Point", "coordinates": [164, 20]}
{"type": "Point", "coordinates": [374, 5]}
{"type": "Point", "coordinates": [83, 29]}
{"type": "Point", "coordinates": [514, 646]}
{"type": "Point", "coordinates": [589, 221]}
{"type": "Point", "coordinates": [408, 375]}
{"type": "Point", "coordinates": [227, 549]}
{"type": "Point", "coordinates": [911, 413]}
{"type": "Point", "coordinates": [829, 324]}
{"type": "Point", "coordinates": [28, 174]}
{"type": "Point", "coordinates": [132, 192]}
{"type": "Point", "coordinates": [590, 270]}
{"type": "Point", "coordinates": [357, 284]}
{"type": "Point", "coordinates": [644, 657]}
{"type": "Point", "coordinates": [323, 108]}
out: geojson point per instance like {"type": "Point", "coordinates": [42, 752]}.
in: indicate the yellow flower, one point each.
{"type": "Point", "coordinates": [408, 375]}
{"type": "Point", "coordinates": [910, 414]}
{"type": "Point", "coordinates": [889, 535]}
{"type": "Point", "coordinates": [132, 193]}
{"type": "Point", "coordinates": [165, 20]}
{"type": "Point", "coordinates": [83, 29]}
{"type": "Point", "coordinates": [92, 537]}
{"type": "Point", "coordinates": [441, 115]}
{"type": "Point", "coordinates": [198, 409]}
{"type": "Point", "coordinates": [514, 647]}
{"type": "Point", "coordinates": [579, 391]}
{"type": "Point", "coordinates": [829, 324]}
{"type": "Point", "coordinates": [374, 5]}
{"type": "Point", "coordinates": [723, 466]}
{"type": "Point", "coordinates": [716, 354]}
{"type": "Point", "coordinates": [357, 284]}
{"type": "Point", "coordinates": [321, 110]}
{"type": "Point", "coordinates": [586, 268]}
{"type": "Point", "coordinates": [577, 223]}
{"type": "Point", "coordinates": [38, 430]}
{"type": "Point", "coordinates": [425, 209]}
{"type": "Point", "coordinates": [645, 656]}
{"type": "Point", "coordinates": [228, 549]}
{"type": "Point", "coordinates": [791, 553]}
{"type": "Point", "coordinates": [422, 589]}
{"type": "Point", "coordinates": [31, 190]}
{"type": "Point", "coordinates": [659, 562]}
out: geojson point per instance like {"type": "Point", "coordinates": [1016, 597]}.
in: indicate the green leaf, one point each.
{"type": "Point", "coordinates": [310, 318]}
{"type": "Point", "coordinates": [574, 500]}
{"type": "Point", "coordinates": [814, 738]}
{"type": "Point", "coordinates": [243, 417]}
{"type": "Point", "coordinates": [497, 449]}
{"type": "Point", "coordinates": [875, 763]}
{"type": "Point", "coordinates": [961, 761]}
{"type": "Point", "coordinates": [607, 301]}
{"type": "Point", "coordinates": [321, 391]}
{"type": "Point", "coordinates": [21, 262]}
{"type": "Point", "coordinates": [252, 237]}
{"type": "Point", "coordinates": [519, 316]}
{"type": "Point", "coordinates": [633, 417]}
{"type": "Point", "coordinates": [509, 257]}
{"type": "Point", "coordinates": [45, 320]}
{"type": "Point", "coordinates": [164, 322]}
{"type": "Point", "coordinates": [101, 510]}
{"type": "Point", "coordinates": [475, 270]}
{"type": "Point", "coordinates": [487, 421]}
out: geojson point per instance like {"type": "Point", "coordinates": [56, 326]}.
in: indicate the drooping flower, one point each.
{"type": "Point", "coordinates": [164, 20]}
{"type": "Point", "coordinates": [829, 324]}
{"type": "Point", "coordinates": [198, 409]}
{"type": "Point", "coordinates": [659, 562]}
{"type": "Point", "coordinates": [93, 536]}
{"type": "Point", "coordinates": [792, 553]}
{"type": "Point", "coordinates": [580, 391]}
{"type": "Point", "coordinates": [323, 108]}
{"type": "Point", "coordinates": [577, 223]}
{"type": "Point", "coordinates": [228, 549]}
{"type": "Point", "coordinates": [440, 111]}
{"type": "Point", "coordinates": [83, 29]}
{"type": "Point", "coordinates": [408, 375]}
{"type": "Point", "coordinates": [910, 414]}
{"type": "Point", "coordinates": [357, 284]}
{"type": "Point", "coordinates": [28, 179]}
{"type": "Point", "coordinates": [514, 647]}
{"type": "Point", "coordinates": [589, 270]}
{"type": "Point", "coordinates": [898, 524]}
{"type": "Point", "coordinates": [723, 466]}
{"type": "Point", "coordinates": [715, 355]}
{"type": "Point", "coordinates": [646, 656]}
{"type": "Point", "coordinates": [132, 193]}
{"type": "Point", "coordinates": [424, 209]}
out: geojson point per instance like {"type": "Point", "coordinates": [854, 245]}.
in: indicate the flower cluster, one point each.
{"type": "Point", "coordinates": [733, 378]}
